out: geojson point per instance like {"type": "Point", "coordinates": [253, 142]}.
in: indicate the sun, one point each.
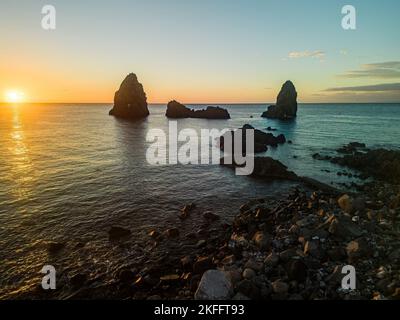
{"type": "Point", "coordinates": [14, 96]}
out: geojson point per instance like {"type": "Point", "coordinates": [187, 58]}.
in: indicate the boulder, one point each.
{"type": "Point", "coordinates": [268, 168]}
{"type": "Point", "coordinates": [286, 104]}
{"type": "Point", "coordinates": [280, 287]}
{"type": "Point", "coordinates": [262, 240]}
{"type": "Point", "coordinates": [177, 110]}
{"type": "Point", "coordinates": [130, 100]}
{"type": "Point", "coordinates": [344, 228]}
{"type": "Point", "coordinates": [381, 164]}
{"type": "Point", "coordinates": [214, 285]}
{"type": "Point", "coordinates": [261, 139]}
{"type": "Point", "coordinates": [249, 274]}
{"type": "Point", "coordinates": [202, 264]}
{"type": "Point", "coordinates": [358, 249]}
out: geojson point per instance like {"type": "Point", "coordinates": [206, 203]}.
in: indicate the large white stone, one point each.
{"type": "Point", "coordinates": [214, 285]}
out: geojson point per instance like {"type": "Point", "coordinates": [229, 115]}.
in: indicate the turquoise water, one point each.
{"type": "Point", "coordinates": [69, 172]}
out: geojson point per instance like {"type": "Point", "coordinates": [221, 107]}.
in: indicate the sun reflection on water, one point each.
{"type": "Point", "coordinates": [20, 162]}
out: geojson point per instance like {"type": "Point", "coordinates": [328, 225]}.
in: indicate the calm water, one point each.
{"type": "Point", "coordinates": [69, 172]}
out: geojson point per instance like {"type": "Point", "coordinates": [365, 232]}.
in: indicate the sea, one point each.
{"type": "Point", "coordinates": [68, 172]}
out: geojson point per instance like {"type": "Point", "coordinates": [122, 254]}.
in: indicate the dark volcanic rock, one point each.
{"type": "Point", "coordinates": [286, 104]}
{"type": "Point", "coordinates": [266, 167]}
{"type": "Point", "coordinates": [261, 139]}
{"type": "Point", "coordinates": [177, 110]}
{"type": "Point", "coordinates": [130, 100]}
{"type": "Point", "coordinates": [379, 163]}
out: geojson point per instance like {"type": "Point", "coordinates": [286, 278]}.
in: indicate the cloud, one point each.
{"type": "Point", "coordinates": [306, 54]}
{"type": "Point", "coordinates": [382, 70]}
{"type": "Point", "coordinates": [370, 88]}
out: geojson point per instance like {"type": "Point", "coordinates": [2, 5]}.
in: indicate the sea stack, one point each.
{"type": "Point", "coordinates": [130, 101]}
{"type": "Point", "coordinates": [177, 110]}
{"type": "Point", "coordinates": [286, 104]}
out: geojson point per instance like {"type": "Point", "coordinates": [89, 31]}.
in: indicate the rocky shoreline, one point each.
{"type": "Point", "coordinates": [275, 249]}
{"type": "Point", "coordinates": [288, 248]}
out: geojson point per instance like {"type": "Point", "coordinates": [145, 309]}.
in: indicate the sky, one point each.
{"type": "Point", "coordinates": [208, 51]}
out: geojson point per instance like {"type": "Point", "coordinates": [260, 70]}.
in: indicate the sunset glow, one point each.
{"type": "Point", "coordinates": [14, 96]}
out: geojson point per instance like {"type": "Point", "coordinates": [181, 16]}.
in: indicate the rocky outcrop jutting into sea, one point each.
{"type": "Point", "coordinates": [261, 139]}
{"type": "Point", "coordinates": [130, 100]}
{"type": "Point", "coordinates": [286, 104]}
{"type": "Point", "coordinates": [177, 110]}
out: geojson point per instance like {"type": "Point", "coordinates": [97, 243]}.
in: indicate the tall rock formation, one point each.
{"type": "Point", "coordinates": [130, 100]}
{"type": "Point", "coordinates": [286, 104]}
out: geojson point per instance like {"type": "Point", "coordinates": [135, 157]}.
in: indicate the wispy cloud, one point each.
{"type": "Point", "coordinates": [306, 54]}
{"type": "Point", "coordinates": [382, 70]}
{"type": "Point", "coordinates": [369, 88]}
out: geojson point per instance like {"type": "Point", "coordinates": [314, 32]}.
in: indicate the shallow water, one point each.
{"type": "Point", "coordinates": [69, 172]}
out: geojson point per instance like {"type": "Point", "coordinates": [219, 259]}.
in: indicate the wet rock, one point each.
{"type": "Point", "coordinates": [280, 287]}
{"type": "Point", "coordinates": [202, 264]}
{"type": "Point", "coordinates": [228, 260]}
{"type": "Point", "coordinates": [314, 249]}
{"type": "Point", "coordinates": [357, 249]}
{"type": "Point", "coordinates": [154, 297]}
{"type": "Point", "coordinates": [170, 279]}
{"type": "Point", "coordinates": [345, 203]}
{"type": "Point", "coordinates": [214, 285]}
{"type": "Point", "coordinates": [350, 205]}
{"type": "Point", "coordinates": [117, 233]}
{"type": "Point", "coordinates": [249, 274]}
{"type": "Point", "coordinates": [297, 270]}
{"type": "Point", "coordinates": [249, 289]}
{"type": "Point", "coordinates": [382, 164]}
{"type": "Point", "coordinates": [344, 227]}
{"type": "Point", "coordinates": [261, 139]}
{"type": "Point", "coordinates": [262, 240]}
{"type": "Point", "coordinates": [256, 266]}
{"type": "Point", "coordinates": [130, 100]}
{"type": "Point", "coordinates": [266, 167]}
{"type": "Point", "coordinates": [286, 104]}
{"type": "Point", "coordinates": [272, 260]}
